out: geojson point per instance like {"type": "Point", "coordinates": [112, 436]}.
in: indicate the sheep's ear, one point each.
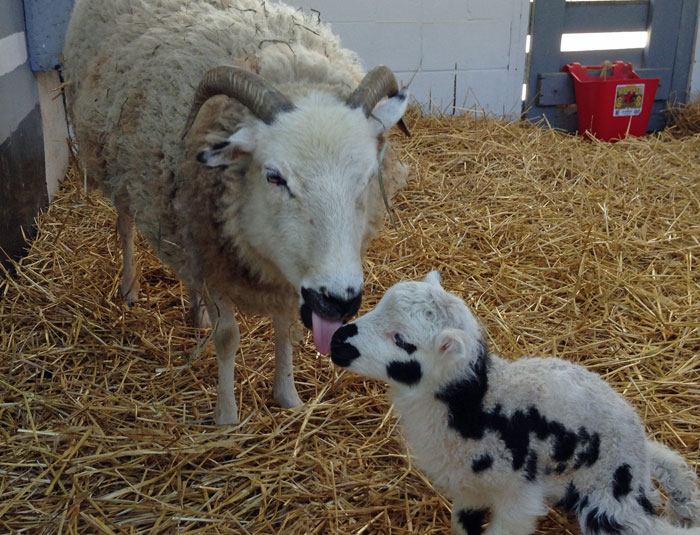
{"type": "Point", "coordinates": [390, 111]}
{"type": "Point", "coordinates": [452, 343]}
{"type": "Point", "coordinates": [228, 151]}
{"type": "Point", "coordinates": [433, 278]}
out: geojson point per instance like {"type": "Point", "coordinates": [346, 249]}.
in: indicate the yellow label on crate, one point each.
{"type": "Point", "coordinates": [628, 100]}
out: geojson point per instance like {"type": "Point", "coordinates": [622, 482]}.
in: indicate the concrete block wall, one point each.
{"type": "Point", "coordinates": [462, 52]}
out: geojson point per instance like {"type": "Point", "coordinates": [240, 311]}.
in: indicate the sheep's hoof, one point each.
{"type": "Point", "coordinates": [198, 317]}
{"type": "Point", "coordinates": [226, 413]}
{"type": "Point", "coordinates": [287, 400]}
{"type": "Point", "coordinates": [130, 299]}
{"type": "Point", "coordinates": [129, 293]}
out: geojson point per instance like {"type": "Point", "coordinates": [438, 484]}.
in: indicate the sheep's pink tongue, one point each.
{"type": "Point", "coordinates": [323, 332]}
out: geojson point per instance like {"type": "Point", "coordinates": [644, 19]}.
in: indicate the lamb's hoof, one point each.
{"type": "Point", "coordinates": [288, 400]}
{"type": "Point", "coordinates": [226, 414]}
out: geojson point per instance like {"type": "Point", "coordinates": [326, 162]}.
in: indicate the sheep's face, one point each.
{"type": "Point", "coordinates": [308, 178]}
{"type": "Point", "coordinates": [418, 334]}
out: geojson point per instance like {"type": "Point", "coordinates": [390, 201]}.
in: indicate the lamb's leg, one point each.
{"type": "Point", "coordinates": [519, 516]}
{"type": "Point", "coordinates": [130, 285]}
{"type": "Point", "coordinates": [680, 482]}
{"type": "Point", "coordinates": [467, 519]}
{"type": "Point", "coordinates": [283, 391]}
{"type": "Point", "coordinates": [226, 340]}
{"type": "Point", "coordinates": [511, 523]}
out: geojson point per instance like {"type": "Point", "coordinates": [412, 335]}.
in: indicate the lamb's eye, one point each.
{"type": "Point", "coordinates": [403, 344]}
{"type": "Point", "coordinates": [273, 176]}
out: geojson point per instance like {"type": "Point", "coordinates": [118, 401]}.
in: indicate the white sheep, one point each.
{"type": "Point", "coordinates": [245, 143]}
{"type": "Point", "coordinates": [510, 438]}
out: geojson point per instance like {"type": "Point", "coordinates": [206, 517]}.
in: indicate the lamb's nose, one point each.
{"type": "Point", "coordinates": [343, 352]}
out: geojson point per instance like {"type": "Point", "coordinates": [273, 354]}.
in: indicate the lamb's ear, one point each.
{"type": "Point", "coordinates": [390, 111]}
{"type": "Point", "coordinates": [433, 278]}
{"type": "Point", "coordinates": [226, 152]}
{"type": "Point", "coordinates": [452, 343]}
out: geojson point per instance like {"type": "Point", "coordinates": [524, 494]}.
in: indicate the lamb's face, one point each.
{"type": "Point", "coordinates": [417, 334]}
{"type": "Point", "coordinates": [308, 179]}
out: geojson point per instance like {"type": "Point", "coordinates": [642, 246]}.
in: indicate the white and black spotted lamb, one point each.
{"type": "Point", "coordinates": [509, 438]}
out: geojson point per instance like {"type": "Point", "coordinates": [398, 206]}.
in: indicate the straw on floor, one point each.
{"type": "Point", "coordinates": [587, 251]}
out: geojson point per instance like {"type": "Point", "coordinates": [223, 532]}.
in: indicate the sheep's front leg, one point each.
{"type": "Point", "coordinates": [226, 340]}
{"type": "Point", "coordinates": [130, 285]}
{"type": "Point", "coordinates": [283, 391]}
{"type": "Point", "coordinates": [197, 310]}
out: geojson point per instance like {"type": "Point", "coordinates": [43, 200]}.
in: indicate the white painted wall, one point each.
{"type": "Point", "coordinates": [471, 49]}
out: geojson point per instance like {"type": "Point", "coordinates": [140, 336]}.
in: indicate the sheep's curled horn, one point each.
{"type": "Point", "coordinates": [378, 83]}
{"type": "Point", "coordinates": [248, 88]}
{"type": "Point", "coordinates": [265, 102]}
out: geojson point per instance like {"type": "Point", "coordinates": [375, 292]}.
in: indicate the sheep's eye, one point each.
{"type": "Point", "coordinates": [273, 176]}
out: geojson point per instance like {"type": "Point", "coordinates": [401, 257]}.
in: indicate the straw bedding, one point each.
{"type": "Point", "coordinates": [586, 251]}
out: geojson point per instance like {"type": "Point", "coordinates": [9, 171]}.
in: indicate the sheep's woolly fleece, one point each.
{"type": "Point", "coordinates": [582, 250]}
{"type": "Point", "coordinates": [127, 92]}
{"type": "Point", "coordinates": [132, 69]}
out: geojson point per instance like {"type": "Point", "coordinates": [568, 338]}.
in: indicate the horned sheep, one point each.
{"type": "Point", "coordinates": [245, 143]}
{"type": "Point", "coordinates": [510, 438]}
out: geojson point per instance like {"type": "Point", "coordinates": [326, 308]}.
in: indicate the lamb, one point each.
{"type": "Point", "coordinates": [266, 194]}
{"type": "Point", "coordinates": [510, 438]}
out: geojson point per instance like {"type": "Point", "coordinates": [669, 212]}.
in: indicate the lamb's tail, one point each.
{"type": "Point", "coordinates": [681, 484]}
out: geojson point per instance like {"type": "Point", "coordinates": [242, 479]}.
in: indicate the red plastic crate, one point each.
{"type": "Point", "coordinates": [612, 105]}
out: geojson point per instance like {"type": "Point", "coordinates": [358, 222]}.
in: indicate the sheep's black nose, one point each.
{"type": "Point", "coordinates": [342, 352]}
{"type": "Point", "coordinates": [329, 306]}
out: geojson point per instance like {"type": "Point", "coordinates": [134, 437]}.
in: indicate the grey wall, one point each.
{"type": "Point", "coordinates": [22, 170]}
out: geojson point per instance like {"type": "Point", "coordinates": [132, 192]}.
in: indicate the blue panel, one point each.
{"type": "Point", "coordinates": [684, 51]}
{"type": "Point", "coordinates": [663, 33]}
{"type": "Point", "coordinates": [547, 18]}
{"type": "Point", "coordinates": [47, 21]}
{"type": "Point", "coordinates": [584, 17]}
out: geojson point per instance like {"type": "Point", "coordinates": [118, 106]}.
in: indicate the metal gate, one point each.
{"type": "Point", "coordinates": [668, 54]}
